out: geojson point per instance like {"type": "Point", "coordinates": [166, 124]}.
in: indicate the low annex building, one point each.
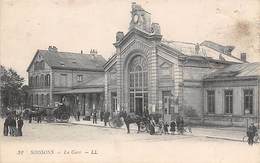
{"type": "Point", "coordinates": [76, 79]}
{"type": "Point", "coordinates": [172, 77]}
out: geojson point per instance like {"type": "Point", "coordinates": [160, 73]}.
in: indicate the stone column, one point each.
{"type": "Point", "coordinates": [119, 67]}
{"type": "Point", "coordinates": [152, 81]}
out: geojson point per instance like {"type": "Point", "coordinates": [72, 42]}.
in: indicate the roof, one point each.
{"type": "Point", "coordinates": [220, 48]}
{"type": "Point", "coordinates": [94, 82]}
{"type": "Point", "coordinates": [69, 60]}
{"type": "Point", "coordinates": [237, 70]}
{"type": "Point", "coordinates": [206, 49]}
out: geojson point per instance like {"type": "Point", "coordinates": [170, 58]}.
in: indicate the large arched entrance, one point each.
{"type": "Point", "coordinates": [138, 84]}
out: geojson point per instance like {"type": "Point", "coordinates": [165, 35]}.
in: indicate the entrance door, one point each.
{"type": "Point", "coordinates": [166, 104]}
{"type": "Point", "coordinates": [139, 106]}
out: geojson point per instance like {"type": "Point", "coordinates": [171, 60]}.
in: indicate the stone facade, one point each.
{"type": "Point", "coordinates": [53, 80]}
{"type": "Point", "coordinates": [177, 72]}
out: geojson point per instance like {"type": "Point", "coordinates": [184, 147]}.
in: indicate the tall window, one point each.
{"type": "Point", "coordinates": [36, 81]}
{"type": "Point", "coordinates": [42, 80]}
{"type": "Point", "coordinates": [42, 100]}
{"type": "Point", "coordinates": [138, 84]}
{"type": "Point", "coordinates": [248, 100]}
{"type": "Point", "coordinates": [47, 80]}
{"type": "Point", "coordinates": [47, 99]}
{"type": "Point", "coordinates": [113, 101]}
{"type": "Point", "coordinates": [228, 101]}
{"type": "Point", "coordinates": [211, 101]}
{"type": "Point", "coordinates": [36, 99]}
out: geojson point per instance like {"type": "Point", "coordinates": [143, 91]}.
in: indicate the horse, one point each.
{"type": "Point", "coordinates": [131, 118]}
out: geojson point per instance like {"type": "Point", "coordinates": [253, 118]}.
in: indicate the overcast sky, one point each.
{"type": "Point", "coordinates": [74, 25]}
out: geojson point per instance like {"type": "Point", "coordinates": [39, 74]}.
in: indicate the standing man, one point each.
{"type": "Point", "coordinates": [106, 117]}
{"type": "Point", "coordinates": [78, 114]}
{"type": "Point", "coordinates": [13, 126]}
{"type": "Point", "coordinates": [251, 132]}
{"type": "Point", "coordinates": [6, 125]}
{"type": "Point", "coordinates": [20, 126]}
{"type": "Point", "coordinates": [101, 115]}
{"type": "Point", "coordinates": [94, 117]}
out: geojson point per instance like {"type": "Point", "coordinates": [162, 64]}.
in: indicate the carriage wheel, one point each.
{"type": "Point", "coordinates": [256, 139]}
{"type": "Point", "coordinates": [142, 127]}
{"type": "Point", "coordinates": [245, 139]}
{"type": "Point", "coordinates": [64, 117]}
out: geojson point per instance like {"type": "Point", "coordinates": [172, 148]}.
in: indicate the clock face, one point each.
{"type": "Point", "coordinates": [136, 18]}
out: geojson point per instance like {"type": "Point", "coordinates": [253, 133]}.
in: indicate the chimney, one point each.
{"type": "Point", "coordinates": [52, 49]}
{"type": "Point", "coordinates": [243, 57]}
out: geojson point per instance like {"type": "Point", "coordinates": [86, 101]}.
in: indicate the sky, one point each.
{"type": "Point", "coordinates": [75, 25]}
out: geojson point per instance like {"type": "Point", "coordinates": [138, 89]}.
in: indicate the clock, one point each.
{"type": "Point", "coordinates": [136, 17]}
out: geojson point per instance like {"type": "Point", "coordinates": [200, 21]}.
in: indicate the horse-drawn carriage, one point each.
{"type": "Point", "coordinates": [118, 120]}
{"type": "Point", "coordinates": [59, 113]}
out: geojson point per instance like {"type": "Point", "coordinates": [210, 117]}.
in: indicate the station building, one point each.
{"type": "Point", "coordinates": [170, 77]}
{"type": "Point", "coordinates": [76, 79]}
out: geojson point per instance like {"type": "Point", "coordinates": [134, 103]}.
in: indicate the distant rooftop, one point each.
{"type": "Point", "coordinates": [69, 60]}
{"type": "Point", "coordinates": [237, 70]}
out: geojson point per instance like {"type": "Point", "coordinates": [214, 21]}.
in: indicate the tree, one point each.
{"type": "Point", "coordinates": [12, 91]}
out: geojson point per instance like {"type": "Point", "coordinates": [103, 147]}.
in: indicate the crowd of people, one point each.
{"type": "Point", "coordinates": [12, 126]}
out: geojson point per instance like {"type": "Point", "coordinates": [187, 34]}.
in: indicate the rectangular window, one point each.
{"type": "Point", "coordinates": [113, 101]}
{"type": "Point", "coordinates": [80, 78]}
{"type": "Point", "coordinates": [211, 101]}
{"type": "Point", "coordinates": [63, 80]}
{"type": "Point", "coordinates": [248, 101]}
{"type": "Point", "coordinates": [132, 102]}
{"type": "Point", "coordinates": [228, 101]}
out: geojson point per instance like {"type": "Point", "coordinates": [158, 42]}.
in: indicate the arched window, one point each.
{"type": "Point", "coordinates": [36, 81]}
{"type": "Point", "coordinates": [42, 100]}
{"type": "Point", "coordinates": [138, 84]}
{"type": "Point", "coordinates": [36, 99]}
{"type": "Point", "coordinates": [42, 80]}
{"type": "Point", "coordinates": [48, 99]}
{"type": "Point", "coordinates": [47, 80]}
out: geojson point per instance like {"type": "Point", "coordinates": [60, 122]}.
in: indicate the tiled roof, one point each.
{"type": "Point", "coordinates": [237, 70]}
{"type": "Point", "coordinates": [68, 60]}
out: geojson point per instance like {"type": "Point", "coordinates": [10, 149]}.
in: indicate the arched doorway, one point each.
{"type": "Point", "coordinates": [138, 84]}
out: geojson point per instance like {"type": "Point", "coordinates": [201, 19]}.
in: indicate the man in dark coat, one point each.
{"type": "Point", "coordinates": [6, 125]}
{"type": "Point", "coordinates": [106, 117]}
{"type": "Point", "coordinates": [78, 115]}
{"type": "Point", "coordinates": [13, 126]}
{"type": "Point", "coordinates": [101, 115]}
{"type": "Point", "coordinates": [20, 126]}
{"type": "Point", "coordinates": [94, 117]}
{"type": "Point", "coordinates": [251, 132]}
{"type": "Point", "coordinates": [30, 117]}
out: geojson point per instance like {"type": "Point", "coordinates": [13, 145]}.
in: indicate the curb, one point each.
{"type": "Point", "coordinates": [206, 136]}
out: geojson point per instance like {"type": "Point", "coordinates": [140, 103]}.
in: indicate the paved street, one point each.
{"type": "Point", "coordinates": [66, 142]}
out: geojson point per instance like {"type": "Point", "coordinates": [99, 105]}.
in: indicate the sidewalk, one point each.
{"type": "Point", "coordinates": [225, 133]}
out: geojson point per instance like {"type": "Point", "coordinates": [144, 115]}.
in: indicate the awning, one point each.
{"type": "Point", "coordinates": [79, 91]}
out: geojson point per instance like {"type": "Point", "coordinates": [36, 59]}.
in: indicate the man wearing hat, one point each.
{"type": "Point", "coordinates": [251, 132]}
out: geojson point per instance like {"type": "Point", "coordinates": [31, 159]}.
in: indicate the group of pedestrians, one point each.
{"type": "Point", "coordinates": [13, 128]}
{"type": "Point", "coordinates": [168, 128]}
